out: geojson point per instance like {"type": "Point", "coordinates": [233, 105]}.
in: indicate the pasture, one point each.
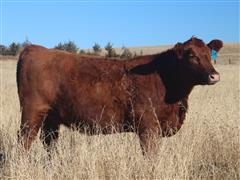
{"type": "Point", "coordinates": [206, 147]}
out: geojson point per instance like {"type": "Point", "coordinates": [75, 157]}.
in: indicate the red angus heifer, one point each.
{"type": "Point", "coordinates": [147, 95]}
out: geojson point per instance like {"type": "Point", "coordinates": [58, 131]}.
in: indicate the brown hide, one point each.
{"type": "Point", "coordinates": [147, 95]}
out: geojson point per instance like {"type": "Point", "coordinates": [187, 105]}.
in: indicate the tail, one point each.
{"type": "Point", "coordinates": [18, 79]}
{"type": "Point", "coordinates": [19, 72]}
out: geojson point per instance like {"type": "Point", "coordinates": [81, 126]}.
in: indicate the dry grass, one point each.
{"type": "Point", "coordinates": [207, 146]}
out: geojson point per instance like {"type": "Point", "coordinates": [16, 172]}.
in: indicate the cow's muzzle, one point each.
{"type": "Point", "coordinates": [213, 78]}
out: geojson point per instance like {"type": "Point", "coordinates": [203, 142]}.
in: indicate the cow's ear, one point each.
{"type": "Point", "coordinates": [179, 49]}
{"type": "Point", "coordinates": [215, 44]}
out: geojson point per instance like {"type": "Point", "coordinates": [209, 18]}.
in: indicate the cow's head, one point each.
{"type": "Point", "coordinates": [195, 60]}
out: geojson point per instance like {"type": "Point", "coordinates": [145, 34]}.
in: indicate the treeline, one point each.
{"type": "Point", "coordinates": [14, 48]}
{"type": "Point", "coordinates": [97, 50]}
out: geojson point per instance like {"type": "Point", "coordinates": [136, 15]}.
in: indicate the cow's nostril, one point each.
{"type": "Point", "coordinates": [213, 78]}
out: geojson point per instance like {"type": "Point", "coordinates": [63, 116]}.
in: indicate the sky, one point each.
{"type": "Point", "coordinates": [122, 22]}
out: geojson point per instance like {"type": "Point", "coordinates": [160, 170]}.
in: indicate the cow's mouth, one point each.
{"type": "Point", "coordinates": [213, 78]}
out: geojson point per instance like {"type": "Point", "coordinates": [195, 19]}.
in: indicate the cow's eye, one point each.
{"type": "Point", "coordinates": [194, 60]}
{"type": "Point", "coordinates": [191, 55]}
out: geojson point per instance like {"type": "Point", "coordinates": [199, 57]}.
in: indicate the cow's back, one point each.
{"type": "Point", "coordinates": [80, 89]}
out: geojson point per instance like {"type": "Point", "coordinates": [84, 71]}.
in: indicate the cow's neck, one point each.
{"type": "Point", "coordinates": [176, 83]}
{"type": "Point", "coordinates": [177, 90]}
{"type": "Point", "coordinates": [166, 64]}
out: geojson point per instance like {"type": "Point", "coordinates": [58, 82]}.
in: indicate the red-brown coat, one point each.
{"type": "Point", "coordinates": [147, 95]}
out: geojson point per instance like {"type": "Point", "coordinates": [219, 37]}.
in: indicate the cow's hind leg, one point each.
{"type": "Point", "coordinates": [31, 121]}
{"type": "Point", "coordinates": [50, 130]}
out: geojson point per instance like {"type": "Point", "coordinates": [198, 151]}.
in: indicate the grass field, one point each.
{"type": "Point", "coordinates": [206, 147]}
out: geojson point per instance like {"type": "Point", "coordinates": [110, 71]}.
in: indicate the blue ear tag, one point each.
{"type": "Point", "coordinates": [214, 54]}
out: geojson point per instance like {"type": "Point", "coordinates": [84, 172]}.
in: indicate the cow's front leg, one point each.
{"type": "Point", "coordinates": [149, 132]}
{"type": "Point", "coordinates": [148, 141]}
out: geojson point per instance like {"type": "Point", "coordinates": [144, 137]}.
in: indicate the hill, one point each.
{"type": "Point", "coordinates": [229, 54]}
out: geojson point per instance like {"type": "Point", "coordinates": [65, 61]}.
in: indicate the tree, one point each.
{"type": "Point", "coordinates": [13, 49]}
{"type": "Point", "coordinates": [60, 46]}
{"type": "Point", "coordinates": [110, 50]}
{"type": "Point", "coordinates": [126, 54]}
{"type": "Point", "coordinates": [3, 49]}
{"type": "Point", "coordinates": [69, 46]}
{"type": "Point", "coordinates": [97, 49]}
{"type": "Point", "coordinates": [82, 51]}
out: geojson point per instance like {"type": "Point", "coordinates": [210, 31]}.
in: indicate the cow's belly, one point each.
{"type": "Point", "coordinates": [94, 119]}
